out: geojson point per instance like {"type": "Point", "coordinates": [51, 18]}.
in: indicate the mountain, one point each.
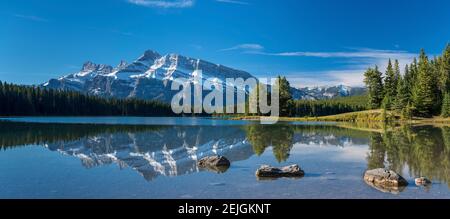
{"type": "Point", "coordinates": [170, 151]}
{"type": "Point", "coordinates": [175, 150]}
{"type": "Point", "coordinates": [326, 92]}
{"type": "Point", "coordinates": [150, 77]}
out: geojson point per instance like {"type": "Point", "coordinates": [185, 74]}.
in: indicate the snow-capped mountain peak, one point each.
{"type": "Point", "coordinates": [150, 77]}
{"type": "Point", "coordinates": [326, 92]}
{"type": "Point", "coordinates": [121, 65]}
{"type": "Point", "coordinates": [92, 67]}
{"type": "Point", "coordinates": [149, 56]}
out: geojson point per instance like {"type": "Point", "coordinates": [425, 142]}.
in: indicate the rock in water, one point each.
{"type": "Point", "coordinates": [217, 164]}
{"type": "Point", "coordinates": [422, 181]}
{"type": "Point", "coordinates": [385, 180]}
{"type": "Point", "coordinates": [274, 172]}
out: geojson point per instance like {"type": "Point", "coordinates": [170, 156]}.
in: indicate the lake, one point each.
{"type": "Point", "coordinates": [152, 158]}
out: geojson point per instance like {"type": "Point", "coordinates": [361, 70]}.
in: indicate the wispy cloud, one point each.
{"type": "Point", "coordinates": [352, 63]}
{"type": "Point", "coordinates": [164, 3]}
{"type": "Point", "coordinates": [247, 47]}
{"type": "Point", "coordinates": [30, 17]}
{"type": "Point", "coordinates": [349, 77]}
{"type": "Point", "coordinates": [355, 53]}
{"type": "Point", "coordinates": [233, 2]}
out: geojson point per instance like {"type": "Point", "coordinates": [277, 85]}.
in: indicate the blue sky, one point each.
{"type": "Point", "coordinates": [313, 42]}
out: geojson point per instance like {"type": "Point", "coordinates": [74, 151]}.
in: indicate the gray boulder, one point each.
{"type": "Point", "coordinates": [217, 164]}
{"type": "Point", "coordinates": [422, 181]}
{"type": "Point", "coordinates": [275, 172]}
{"type": "Point", "coordinates": [385, 180]}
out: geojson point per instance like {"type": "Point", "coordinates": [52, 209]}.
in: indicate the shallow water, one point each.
{"type": "Point", "coordinates": [122, 158]}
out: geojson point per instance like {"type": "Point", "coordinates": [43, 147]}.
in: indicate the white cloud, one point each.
{"type": "Point", "coordinates": [164, 3]}
{"type": "Point", "coordinates": [31, 17]}
{"type": "Point", "coordinates": [349, 77]}
{"type": "Point", "coordinates": [356, 53]}
{"type": "Point", "coordinates": [248, 47]}
{"type": "Point", "coordinates": [233, 2]}
{"type": "Point", "coordinates": [354, 63]}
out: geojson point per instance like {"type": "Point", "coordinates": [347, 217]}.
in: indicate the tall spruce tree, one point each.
{"type": "Point", "coordinates": [444, 77]}
{"type": "Point", "coordinates": [397, 73]}
{"type": "Point", "coordinates": [397, 76]}
{"type": "Point", "coordinates": [286, 100]}
{"type": "Point", "coordinates": [407, 111]}
{"type": "Point", "coordinates": [374, 82]}
{"type": "Point", "coordinates": [438, 89]}
{"type": "Point", "coordinates": [390, 83]}
{"type": "Point", "coordinates": [412, 79]}
{"type": "Point", "coordinates": [446, 106]}
{"type": "Point", "coordinates": [423, 93]}
{"type": "Point", "coordinates": [403, 95]}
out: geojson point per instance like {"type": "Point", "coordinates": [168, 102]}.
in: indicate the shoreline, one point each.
{"type": "Point", "coordinates": [368, 116]}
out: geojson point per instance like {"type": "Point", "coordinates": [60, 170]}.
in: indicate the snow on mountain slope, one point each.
{"type": "Point", "coordinates": [325, 92]}
{"type": "Point", "coordinates": [150, 77]}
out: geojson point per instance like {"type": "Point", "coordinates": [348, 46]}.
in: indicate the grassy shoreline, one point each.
{"type": "Point", "coordinates": [369, 116]}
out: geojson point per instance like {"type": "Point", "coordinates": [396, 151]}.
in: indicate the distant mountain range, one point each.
{"type": "Point", "coordinates": [151, 75]}
{"type": "Point", "coordinates": [326, 92]}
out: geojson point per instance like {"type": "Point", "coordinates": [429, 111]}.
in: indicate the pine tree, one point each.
{"type": "Point", "coordinates": [423, 93]}
{"type": "Point", "coordinates": [403, 95]}
{"type": "Point", "coordinates": [411, 79]}
{"type": "Point", "coordinates": [286, 100]}
{"type": "Point", "coordinates": [444, 77]}
{"type": "Point", "coordinates": [438, 92]}
{"type": "Point", "coordinates": [407, 111]}
{"type": "Point", "coordinates": [374, 83]}
{"type": "Point", "coordinates": [390, 82]}
{"type": "Point", "coordinates": [397, 70]}
{"type": "Point", "coordinates": [445, 112]}
{"type": "Point", "coordinates": [397, 76]}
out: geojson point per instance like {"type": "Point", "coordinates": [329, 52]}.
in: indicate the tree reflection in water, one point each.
{"type": "Point", "coordinates": [279, 137]}
{"type": "Point", "coordinates": [424, 150]}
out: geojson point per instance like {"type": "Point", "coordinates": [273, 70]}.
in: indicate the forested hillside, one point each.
{"type": "Point", "coordinates": [16, 100]}
{"type": "Point", "coordinates": [333, 106]}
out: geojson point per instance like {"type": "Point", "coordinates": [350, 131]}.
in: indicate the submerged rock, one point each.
{"type": "Point", "coordinates": [217, 164]}
{"type": "Point", "coordinates": [422, 181]}
{"type": "Point", "coordinates": [385, 180]}
{"type": "Point", "coordinates": [275, 172]}
{"type": "Point", "coordinates": [386, 189]}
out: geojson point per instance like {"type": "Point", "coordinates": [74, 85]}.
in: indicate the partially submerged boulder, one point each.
{"type": "Point", "coordinates": [386, 189]}
{"type": "Point", "coordinates": [217, 164]}
{"type": "Point", "coordinates": [385, 180]}
{"type": "Point", "coordinates": [422, 181]}
{"type": "Point", "coordinates": [275, 172]}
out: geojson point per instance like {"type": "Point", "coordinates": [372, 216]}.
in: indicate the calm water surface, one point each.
{"type": "Point", "coordinates": [131, 157]}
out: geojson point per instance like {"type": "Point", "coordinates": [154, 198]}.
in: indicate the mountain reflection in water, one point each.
{"type": "Point", "coordinates": [174, 150]}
